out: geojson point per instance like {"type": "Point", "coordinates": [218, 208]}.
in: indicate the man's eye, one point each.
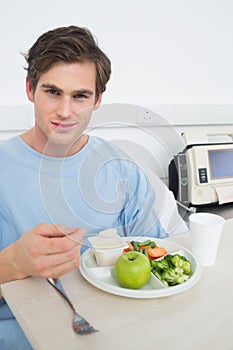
{"type": "Point", "coordinates": [80, 96]}
{"type": "Point", "coordinates": [52, 92]}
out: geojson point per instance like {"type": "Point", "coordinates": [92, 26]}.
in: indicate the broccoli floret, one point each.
{"type": "Point", "coordinates": [170, 276]}
{"type": "Point", "coordinates": [181, 262]}
{"type": "Point", "coordinates": [174, 276]}
{"type": "Point", "coordinates": [186, 267]}
{"type": "Point", "coordinates": [168, 258]}
{"type": "Point", "coordinates": [157, 274]}
{"type": "Point", "coordinates": [172, 269]}
{"type": "Point", "coordinates": [182, 279]}
{"type": "Point", "coordinates": [153, 264]}
{"type": "Point", "coordinates": [162, 264]}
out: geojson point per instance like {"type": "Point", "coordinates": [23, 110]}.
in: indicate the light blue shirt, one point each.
{"type": "Point", "coordinates": [95, 189]}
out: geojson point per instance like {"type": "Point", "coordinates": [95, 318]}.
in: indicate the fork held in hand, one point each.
{"type": "Point", "coordinates": [80, 325]}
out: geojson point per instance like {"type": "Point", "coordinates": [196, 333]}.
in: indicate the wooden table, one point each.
{"type": "Point", "coordinates": [198, 318]}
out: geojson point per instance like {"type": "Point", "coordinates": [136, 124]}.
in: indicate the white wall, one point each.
{"type": "Point", "coordinates": [173, 57]}
{"type": "Point", "coordinates": [163, 51]}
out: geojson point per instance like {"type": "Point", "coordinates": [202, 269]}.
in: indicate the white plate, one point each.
{"type": "Point", "coordinates": [103, 277]}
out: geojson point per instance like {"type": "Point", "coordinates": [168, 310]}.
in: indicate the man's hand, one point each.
{"type": "Point", "coordinates": [47, 250]}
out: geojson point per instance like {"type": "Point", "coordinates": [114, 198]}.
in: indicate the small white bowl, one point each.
{"type": "Point", "coordinates": [108, 246]}
{"type": "Point", "coordinates": [108, 257]}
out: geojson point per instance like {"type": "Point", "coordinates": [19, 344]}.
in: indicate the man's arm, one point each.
{"type": "Point", "coordinates": [7, 270]}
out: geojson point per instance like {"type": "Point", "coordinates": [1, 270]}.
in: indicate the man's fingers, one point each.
{"type": "Point", "coordinates": [57, 239]}
{"type": "Point", "coordinates": [54, 265]}
{"type": "Point", "coordinates": [59, 245]}
{"type": "Point", "coordinates": [76, 236]}
{"type": "Point", "coordinates": [52, 230]}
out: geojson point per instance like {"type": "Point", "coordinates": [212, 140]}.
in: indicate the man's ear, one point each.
{"type": "Point", "coordinates": [98, 102]}
{"type": "Point", "coordinates": [29, 91]}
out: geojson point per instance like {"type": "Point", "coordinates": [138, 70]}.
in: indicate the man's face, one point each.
{"type": "Point", "coordinates": [63, 100]}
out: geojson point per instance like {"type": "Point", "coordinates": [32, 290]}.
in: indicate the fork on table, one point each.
{"type": "Point", "coordinates": [80, 325]}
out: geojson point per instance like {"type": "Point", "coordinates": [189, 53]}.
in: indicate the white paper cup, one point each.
{"type": "Point", "coordinates": [206, 229]}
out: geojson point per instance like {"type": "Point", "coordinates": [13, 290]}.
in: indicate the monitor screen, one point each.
{"type": "Point", "coordinates": [221, 163]}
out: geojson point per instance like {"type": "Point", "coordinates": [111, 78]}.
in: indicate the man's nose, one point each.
{"type": "Point", "coordinates": [64, 109]}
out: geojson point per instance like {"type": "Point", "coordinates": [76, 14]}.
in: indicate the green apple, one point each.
{"type": "Point", "coordinates": [132, 270]}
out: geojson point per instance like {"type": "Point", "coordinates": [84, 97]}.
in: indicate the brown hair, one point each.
{"type": "Point", "coordinates": [67, 44]}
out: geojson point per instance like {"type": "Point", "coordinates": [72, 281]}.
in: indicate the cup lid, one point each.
{"type": "Point", "coordinates": [107, 239]}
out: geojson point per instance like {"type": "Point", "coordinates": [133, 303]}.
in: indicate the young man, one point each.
{"type": "Point", "coordinates": [63, 185]}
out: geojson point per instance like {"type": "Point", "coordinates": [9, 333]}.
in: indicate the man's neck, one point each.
{"type": "Point", "coordinates": [51, 149]}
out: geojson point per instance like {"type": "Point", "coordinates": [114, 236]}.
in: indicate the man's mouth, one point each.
{"type": "Point", "coordinates": [63, 126]}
